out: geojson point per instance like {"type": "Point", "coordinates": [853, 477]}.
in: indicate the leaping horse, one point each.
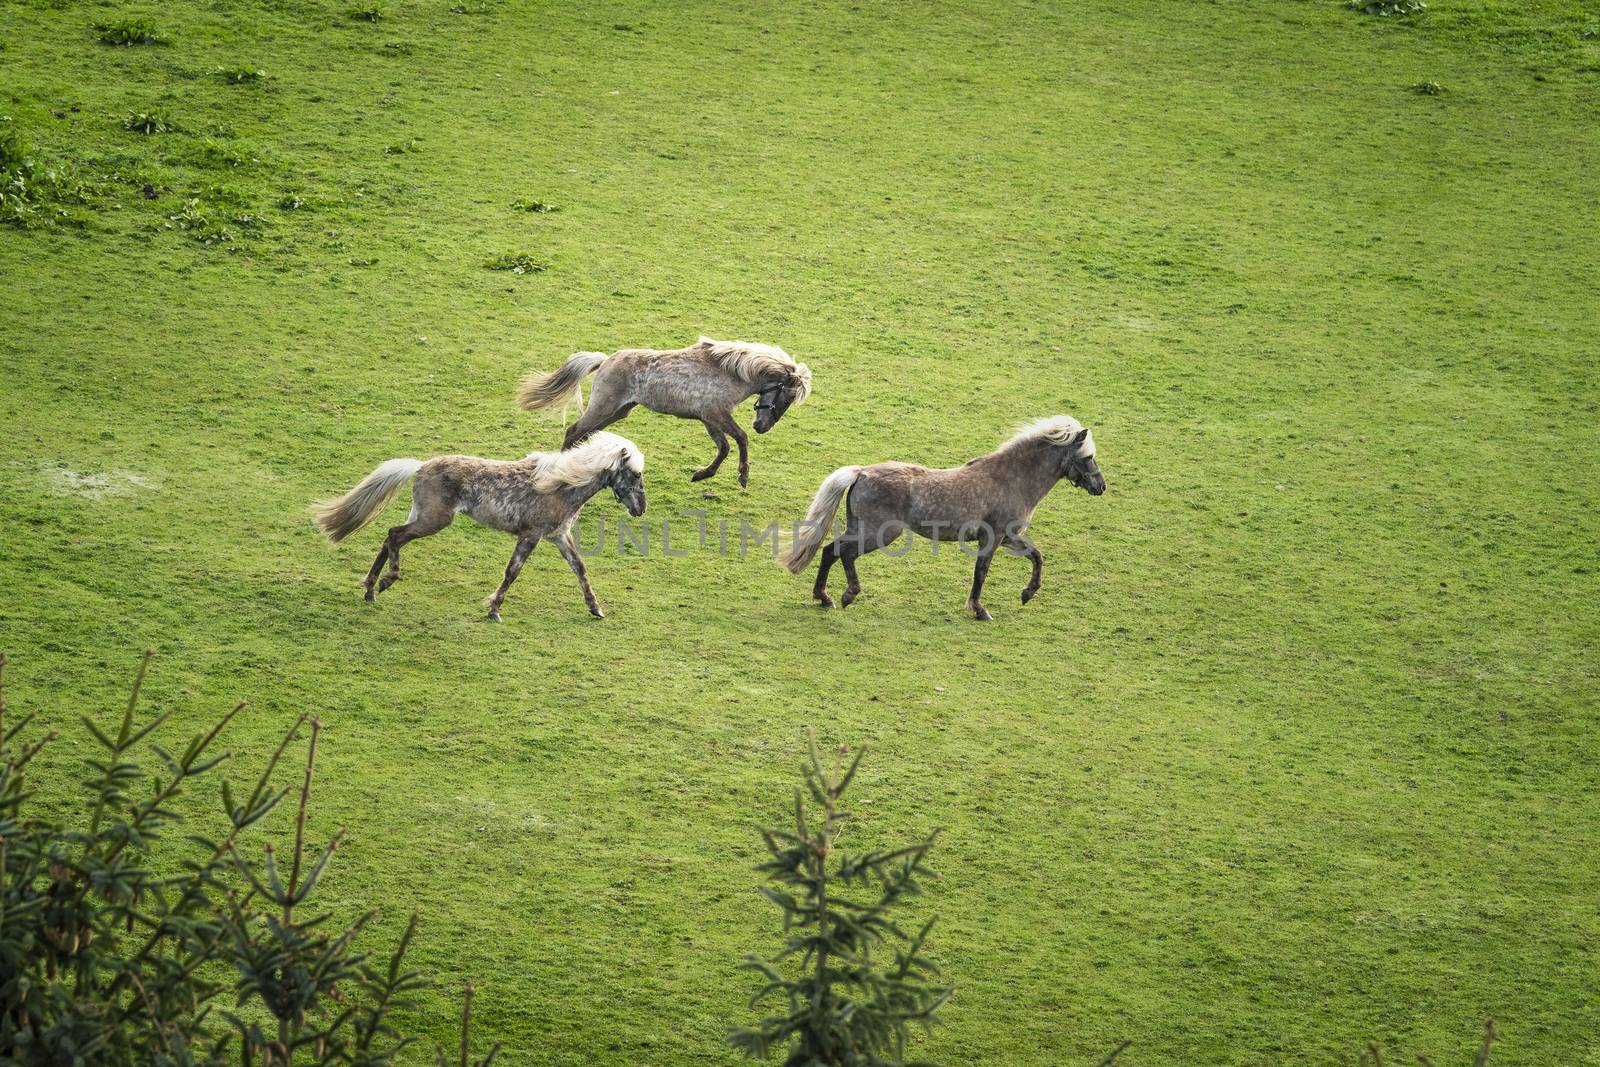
{"type": "Point", "coordinates": [705, 381]}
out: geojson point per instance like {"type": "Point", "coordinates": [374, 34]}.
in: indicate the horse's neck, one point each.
{"type": "Point", "coordinates": [579, 495]}
{"type": "Point", "coordinates": [1029, 468]}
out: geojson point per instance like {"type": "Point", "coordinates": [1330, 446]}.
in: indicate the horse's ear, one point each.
{"type": "Point", "coordinates": [1079, 437]}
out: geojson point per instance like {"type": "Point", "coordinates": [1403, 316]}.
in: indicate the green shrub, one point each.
{"type": "Point", "coordinates": [366, 13]}
{"type": "Point", "coordinates": [126, 32]}
{"type": "Point", "coordinates": [240, 75]}
{"type": "Point", "coordinates": [842, 1007]}
{"type": "Point", "coordinates": [1427, 88]}
{"type": "Point", "coordinates": [118, 931]}
{"type": "Point", "coordinates": [536, 206]}
{"type": "Point", "coordinates": [519, 263]}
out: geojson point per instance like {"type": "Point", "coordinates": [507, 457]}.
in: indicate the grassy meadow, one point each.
{"type": "Point", "coordinates": [1297, 747]}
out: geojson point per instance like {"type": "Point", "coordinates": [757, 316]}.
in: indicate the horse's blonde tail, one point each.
{"type": "Point", "coordinates": [342, 517]}
{"type": "Point", "coordinates": [564, 386]}
{"type": "Point", "coordinates": [818, 520]}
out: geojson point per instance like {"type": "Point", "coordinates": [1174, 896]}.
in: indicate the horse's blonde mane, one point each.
{"type": "Point", "coordinates": [752, 361]}
{"type": "Point", "coordinates": [1057, 430]}
{"type": "Point", "coordinates": [583, 462]}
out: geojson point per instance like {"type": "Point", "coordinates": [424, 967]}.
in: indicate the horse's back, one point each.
{"type": "Point", "coordinates": [931, 500]}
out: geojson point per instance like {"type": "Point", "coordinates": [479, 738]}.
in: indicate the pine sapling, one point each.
{"type": "Point", "coordinates": [846, 1004]}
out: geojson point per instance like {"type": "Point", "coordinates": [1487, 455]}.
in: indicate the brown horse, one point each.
{"type": "Point", "coordinates": [705, 381]}
{"type": "Point", "coordinates": [535, 497]}
{"type": "Point", "coordinates": [988, 500]}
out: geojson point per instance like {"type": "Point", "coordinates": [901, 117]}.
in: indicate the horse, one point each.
{"type": "Point", "coordinates": [988, 500]}
{"type": "Point", "coordinates": [705, 381]}
{"type": "Point", "coordinates": [538, 496]}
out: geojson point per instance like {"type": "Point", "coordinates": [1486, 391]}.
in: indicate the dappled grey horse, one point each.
{"type": "Point", "coordinates": [988, 500]}
{"type": "Point", "coordinates": [705, 381]}
{"type": "Point", "coordinates": [536, 497]}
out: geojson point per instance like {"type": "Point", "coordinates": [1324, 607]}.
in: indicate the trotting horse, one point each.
{"type": "Point", "coordinates": [535, 497]}
{"type": "Point", "coordinates": [989, 500]}
{"type": "Point", "coordinates": [705, 381]}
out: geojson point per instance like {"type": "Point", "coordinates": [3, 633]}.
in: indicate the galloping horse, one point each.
{"type": "Point", "coordinates": [988, 500]}
{"type": "Point", "coordinates": [705, 381]}
{"type": "Point", "coordinates": [536, 497]}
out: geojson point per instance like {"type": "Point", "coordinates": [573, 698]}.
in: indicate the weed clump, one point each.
{"type": "Point", "coordinates": [1386, 8]}
{"type": "Point", "coordinates": [519, 263]}
{"type": "Point", "coordinates": [147, 122]}
{"type": "Point", "coordinates": [198, 225]}
{"type": "Point", "coordinates": [126, 32]}
{"type": "Point", "coordinates": [1427, 89]}
{"type": "Point", "coordinates": [534, 206]}
{"type": "Point", "coordinates": [240, 75]}
{"type": "Point", "coordinates": [366, 13]}
{"type": "Point", "coordinates": [31, 194]}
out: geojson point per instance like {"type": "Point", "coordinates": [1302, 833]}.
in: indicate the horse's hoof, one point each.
{"type": "Point", "coordinates": [982, 616]}
{"type": "Point", "coordinates": [701, 475]}
{"type": "Point", "coordinates": [825, 602]}
{"type": "Point", "coordinates": [597, 613]}
{"type": "Point", "coordinates": [494, 616]}
{"type": "Point", "coordinates": [744, 479]}
{"type": "Point", "coordinates": [1027, 594]}
{"type": "Point", "coordinates": [849, 598]}
{"type": "Point", "coordinates": [371, 597]}
{"type": "Point", "coordinates": [386, 583]}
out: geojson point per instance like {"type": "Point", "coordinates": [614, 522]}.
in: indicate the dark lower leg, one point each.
{"type": "Point", "coordinates": [518, 556]}
{"type": "Point", "coordinates": [575, 561]}
{"type": "Point", "coordinates": [847, 556]}
{"type": "Point", "coordinates": [980, 571]}
{"type": "Point", "coordinates": [377, 565]}
{"type": "Point", "coordinates": [819, 591]}
{"type": "Point", "coordinates": [722, 454]}
{"type": "Point", "coordinates": [1038, 572]}
{"type": "Point", "coordinates": [743, 442]}
{"type": "Point", "coordinates": [393, 574]}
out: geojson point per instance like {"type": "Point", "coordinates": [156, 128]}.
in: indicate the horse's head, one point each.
{"type": "Point", "coordinates": [1078, 465]}
{"type": "Point", "coordinates": [779, 394]}
{"type": "Point", "coordinates": [628, 484]}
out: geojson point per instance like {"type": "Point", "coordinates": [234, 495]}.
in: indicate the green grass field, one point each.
{"type": "Point", "coordinates": [1296, 748]}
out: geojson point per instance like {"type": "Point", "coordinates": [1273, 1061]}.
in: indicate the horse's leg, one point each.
{"type": "Point", "coordinates": [519, 555]}
{"type": "Point", "coordinates": [575, 561]}
{"type": "Point", "coordinates": [722, 451]}
{"type": "Point", "coordinates": [596, 417]}
{"type": "Point", "coordinates": [980, 571]}
{"type": "Point", "coordinates": [377, 565]}
{"type": "Point", "coordinates": [848, 554]}
{"type": "Point", "coordinates": [1026, 547]}
{"type": "Point", "coordinates": [743, 442]}
{"type": "Point", "coordinates": [423, 522]}
{"type": "Point", "coordinates": [856, 542]}
{"type": "Point", "coordinates": [819, 591]}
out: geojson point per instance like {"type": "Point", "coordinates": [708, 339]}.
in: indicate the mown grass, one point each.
{"type": "Point", "coordinates": [1296, 747]}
